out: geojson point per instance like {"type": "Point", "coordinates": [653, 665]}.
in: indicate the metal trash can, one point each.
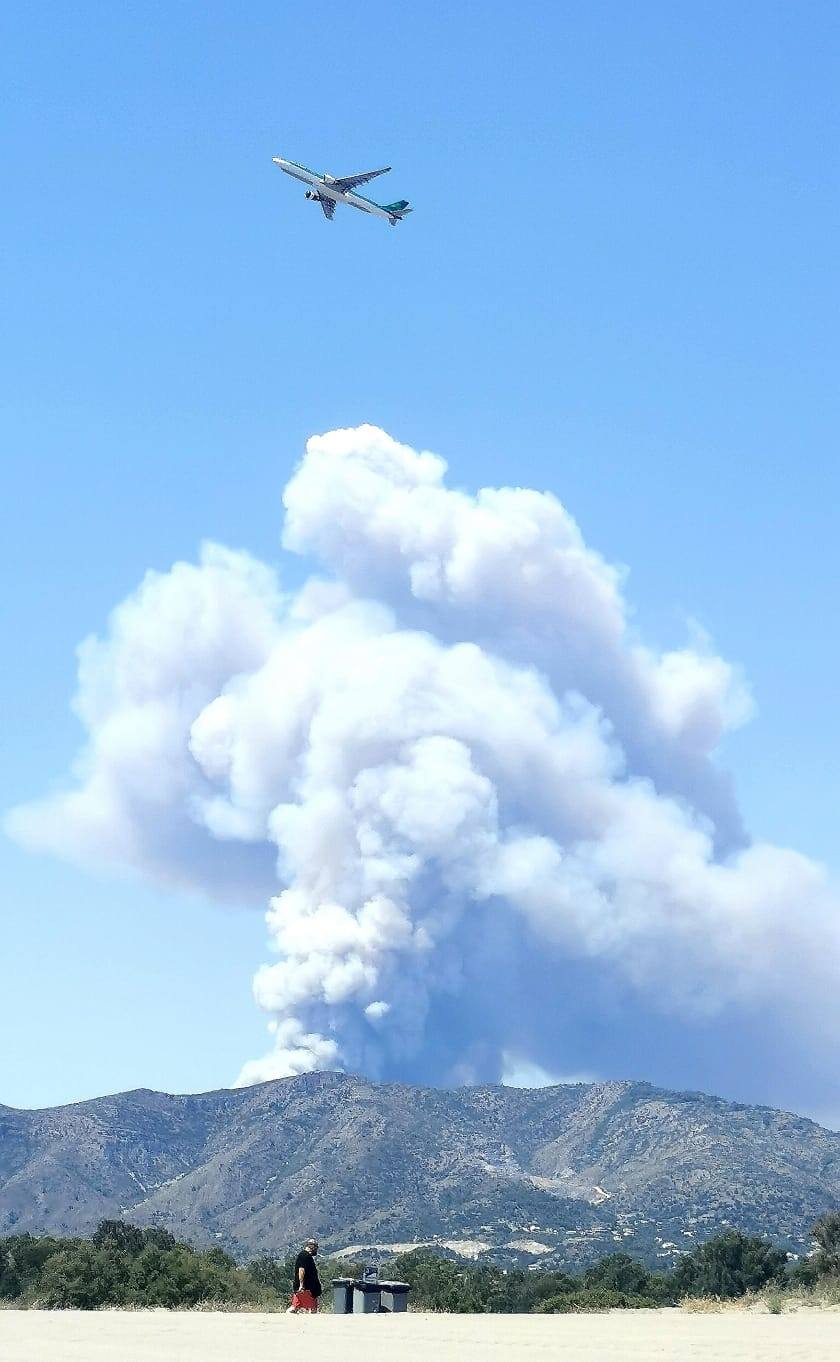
{"type": "Point", "coordinates": [343, 1296]}
{"type": "Point", "coordinates": [394, 1297]}
{"type": "Point", "coordinates": [367, 1297]}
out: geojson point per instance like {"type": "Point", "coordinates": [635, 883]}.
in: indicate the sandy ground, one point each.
{"type": "Point", "coordinates": [637, 1336]}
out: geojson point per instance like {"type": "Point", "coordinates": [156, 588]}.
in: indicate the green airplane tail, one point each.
{"type": "Point", "coordinates": [398, 207]}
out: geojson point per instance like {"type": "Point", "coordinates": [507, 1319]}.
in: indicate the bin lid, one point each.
{"type": "Point", "coordinates": [342, 1281]}
{"type": "Point", "coordinates": [361, 1285]}
{"type": "Point", "coordinates": [395, 1286]}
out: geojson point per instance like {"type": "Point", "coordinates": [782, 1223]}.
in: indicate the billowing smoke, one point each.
{"type": "Point", "coordinates": [469, 777]}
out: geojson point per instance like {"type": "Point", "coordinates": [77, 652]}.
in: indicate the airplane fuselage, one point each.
{"type": "Point", "coordinates": [323, 187]}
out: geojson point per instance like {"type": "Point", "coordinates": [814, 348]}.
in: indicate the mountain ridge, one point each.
{"type": "Point", "coordinates": [571, 1171]}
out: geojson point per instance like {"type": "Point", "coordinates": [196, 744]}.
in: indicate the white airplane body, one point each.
{"type": "Point", "coordinates": [328, 191]}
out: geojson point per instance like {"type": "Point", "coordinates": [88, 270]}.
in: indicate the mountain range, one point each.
{"type": "Point", "coordinates": [548, 1176]}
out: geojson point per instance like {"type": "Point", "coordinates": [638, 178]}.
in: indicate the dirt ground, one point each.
{"type": "Point", "coordinates": [621, 1336]}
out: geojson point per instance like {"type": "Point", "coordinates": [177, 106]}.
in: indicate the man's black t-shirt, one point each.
{"type": "Point", "coordinates": [311, 1280]}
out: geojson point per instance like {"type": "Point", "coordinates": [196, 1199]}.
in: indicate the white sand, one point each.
{"type": "Point", "coordinates": [622, 1336]}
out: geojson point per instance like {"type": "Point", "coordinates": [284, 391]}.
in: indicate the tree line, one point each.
{"type": "Point", "coordinates": [124, 1265]}
{"type": "Point", "coordinates": [731, 1264]}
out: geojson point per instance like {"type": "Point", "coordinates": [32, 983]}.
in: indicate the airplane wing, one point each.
{"type": "Point", "coordinates": [351, 181]}
{"type": "Point", "coordinates": [328, 206]}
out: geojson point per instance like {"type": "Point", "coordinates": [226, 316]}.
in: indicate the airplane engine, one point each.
{"type": "Point", "coordinates": [310, 194]}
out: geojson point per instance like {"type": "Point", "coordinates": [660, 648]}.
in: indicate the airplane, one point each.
{"type": "Point", "coordinates": [327, 191]}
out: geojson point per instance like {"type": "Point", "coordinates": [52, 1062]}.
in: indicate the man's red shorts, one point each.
{"type": "Point", "coordinates": [304, 1300]}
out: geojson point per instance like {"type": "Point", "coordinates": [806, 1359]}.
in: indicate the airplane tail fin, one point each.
{"type": "Point", "coordinates": [399, 209]}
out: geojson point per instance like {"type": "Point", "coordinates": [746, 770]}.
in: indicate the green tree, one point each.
{"type": "Point", "coordinates": [729, 1265]}
{"type": "Point", "coordinates": [270, 1273]}
{"type": "Point", "coordinates": [620, 1272]}
{"type": "Point", "coordinates": [118, 1236]}
{"type": "Point", "coordinates": [527, 1290]}
{"type": "Point", "coordinates": [216, 1257]}
{"type": "Point", "coordinates": [11, 1285]}
{"type": "Point", "coordinates": [180, 1276]}
{"type": "Point", "coordinates": [438, 1283]}
{"type": "Point", "coordinates": [805, 1274]}
{"type": "Point", "coordinates": [84, 1277]}
{"type": "Point", "coordinates": [156, 1237]}
{"type": "Point", "coordinates": [826, 1234]}
{"type": "Point", "coordinates": [22, 1257]}
{"type": "Point", "coordinates": [149, 1284]}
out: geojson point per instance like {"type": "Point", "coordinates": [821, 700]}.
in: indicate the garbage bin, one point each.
{"type": "Point", "coordinates": [343, 1296]}
{"type": "Point", "coordinates": [394, 1297]}
{"type": "Point", "coordinates": [366, 1297]}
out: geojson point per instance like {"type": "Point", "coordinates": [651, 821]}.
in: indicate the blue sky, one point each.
{"type": "Point", "coordinates": [619, 284]}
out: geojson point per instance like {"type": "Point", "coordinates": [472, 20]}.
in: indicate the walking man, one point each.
{"type": "Point", "coordinates": [306, 1284]}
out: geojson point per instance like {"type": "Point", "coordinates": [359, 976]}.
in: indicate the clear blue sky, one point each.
{"type": "Point", "coordinates": [620, 283]}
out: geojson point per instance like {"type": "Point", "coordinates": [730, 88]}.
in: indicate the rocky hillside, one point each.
{"type": "Point", "coordinates": [551, 1175]}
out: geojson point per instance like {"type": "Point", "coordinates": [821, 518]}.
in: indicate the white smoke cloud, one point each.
{"type": "Point", "coordinates": [455, 737]}
{"type": "Point", "coordinates": [170, 649]}
{"type": "Point", "coordinates": [509, 569]}
{"type": "Point", "coordinates": [518, 1073]}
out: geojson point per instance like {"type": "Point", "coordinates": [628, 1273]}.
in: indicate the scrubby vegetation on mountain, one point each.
{"type": "Point", "coordinates": [551, 1179]}
{"type": "Point", "coordinates": [125, 1265]}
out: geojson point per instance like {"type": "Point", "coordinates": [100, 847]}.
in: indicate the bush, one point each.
{"type": "Point", "coordinates": [599, 1298]}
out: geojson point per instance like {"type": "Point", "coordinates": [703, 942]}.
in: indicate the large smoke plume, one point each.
{"type": "Point", "coordinates": [467, 774]}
